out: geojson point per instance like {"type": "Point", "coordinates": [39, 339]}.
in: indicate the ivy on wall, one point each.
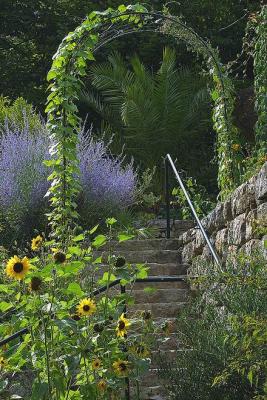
{"type": "Point", "coordinates": [65, 77]}
{"type": "Point", "coordinates": [260, 83]}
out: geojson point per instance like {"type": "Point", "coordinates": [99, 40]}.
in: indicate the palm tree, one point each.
{"type": "Point", "coordinates": [150, 114]}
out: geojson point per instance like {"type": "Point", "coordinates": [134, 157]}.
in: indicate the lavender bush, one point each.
{"type": "Point", "coordinates": [23, 180]}
{"type": "Point", "coordinates": [108, 186]}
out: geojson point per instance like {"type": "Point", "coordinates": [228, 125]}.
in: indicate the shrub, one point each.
{"type": "Point", "coordinates": [19, 114]}
{"type": "Point", "coordinates": [23, 180]}
{"type": "Point", "coordinates": [108, 186]}
{"type": "Point", "coordinates": [222, 337]}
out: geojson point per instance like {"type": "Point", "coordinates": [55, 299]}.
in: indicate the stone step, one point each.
{"type": "Point", "coordinates": [166, 310]}
{"type": "Point", "coordinates": [178, 227]}
{"type": "Point", "coordinates": [155, 269]}
{"type": "Point", "coordinates": [150, 393]}
{"type": "Point", "coordinates": [161, 285]}
{"type": "Point", "coordinates": [145, 256]}
{"type": "Point", "coordinates": [167, 269]}
{"type": "Point", "coordinates": [160, 296]}
{"type": "Point", "coordinates": [144, 244]}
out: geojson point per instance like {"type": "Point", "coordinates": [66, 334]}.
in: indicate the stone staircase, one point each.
{"type": "Point", "coordinates": [163, 257]}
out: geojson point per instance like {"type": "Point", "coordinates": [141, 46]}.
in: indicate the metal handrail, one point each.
{"type": "Point", "coordinates": [169, 162]}
{"type": "Point", "coordinates": [151, 279]}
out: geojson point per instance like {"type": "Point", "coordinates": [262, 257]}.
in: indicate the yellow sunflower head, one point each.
{"type": "Point", "coordinates": [37, 243]}
{"type": "Point", "coordinates": [96, 363]}
{"type": "Point", "coordinates": [236, 146]}
{"type": "Point", "coordinates": [3, 363]}
{"type": "Point", "coordinates": [102, 385]}
{"type": "Point", "coordinates": [86, 307]}
{"type": "Point", "coordinates": [17, 268]}
{"type": "Point", "coordinates": [121, 367]}
{"type": "Point", "coordinates": [140, 350]}
{"type": "Point", "coordinates": [122, 325]}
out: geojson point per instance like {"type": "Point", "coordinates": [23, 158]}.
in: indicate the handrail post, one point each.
{"type": "Point", "coordinates": [167, 198]}
{"type": "Point", "coordinates": [127, 381]}
{"type": "Point", "coordinates": [212, 249]}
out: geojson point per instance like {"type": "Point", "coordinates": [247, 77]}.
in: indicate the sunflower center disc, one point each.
{"type": "Point", "coordinates": [18, 267]}
{"type": "Point", "coordinates": [121, 325]}
{"type": "Point", "coordinates": [122, 367]}
{"type": "Point", "coordinates": [86, 308]}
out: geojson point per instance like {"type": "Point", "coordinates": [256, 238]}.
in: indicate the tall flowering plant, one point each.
{"type": "Point", "coordinates": [23, 180]}
{"type": "Point", "coordinates": [78, 345]}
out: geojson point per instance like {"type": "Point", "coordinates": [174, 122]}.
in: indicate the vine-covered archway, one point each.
{"type": "Point", "coordinates": [69, 67]}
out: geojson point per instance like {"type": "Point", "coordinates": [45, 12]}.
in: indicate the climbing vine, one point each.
{"type": "Point", "coordinates": [65, 77]}
{"type": "Point", "coordinates": [260, 83]}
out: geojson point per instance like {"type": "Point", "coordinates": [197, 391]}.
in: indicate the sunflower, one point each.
{"type": "Point", "coordinates": [121, 367]}
{"type": "Point", "coordinates": [35, 284]}
{"type": "Point", "coordinates": [3, 363]}
{"type": "Point", "coordinates": [102, 385]}
{"type": "Point", "coordinates": [86, 307]}
{"type": "Point", "coordinates": [59, 257]}
{"type": "Point", "coordinates": [140, 350]}
{"type": "Point", "coordinates": [17, 268]}
{"type": "Point", "coordinates": [236, 146]}
{"type": "Point", "coordinates": [122, 326]}
{"type": "Point", "coordinates": [37, 243]}
{"type": "Point", "coordinates": [146, 315]}
{"type": "Point", "coordinates": [96, 363]}
{"type": "Point", "coordinates": [120, 262]}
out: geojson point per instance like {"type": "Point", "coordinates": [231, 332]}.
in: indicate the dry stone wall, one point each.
{"type": "Point", "coordinates": [236, 225]}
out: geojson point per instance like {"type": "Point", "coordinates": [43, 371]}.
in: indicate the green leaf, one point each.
{"type": "Point", "coordinates": [74, 250]}
{"type": "Point", "coordinates": [111, 221]}
{"type": "Point", "coordinates": [142, 273]}
{"type": "Point", "coordinates": [94, 229]}
{"type": "Point", "coordinates": [75, 288]}
{"type": "Point", "coordinates": [73, 268]}
{"type": "Point", "coordinates": [4, 289]}
{"type": "Point", "coordinates": [100, 240]}
{"type": "Point", "coordinates": [4, 306]}
{"type": "Point", "coordinates": [122, 237]}
{"type": "Point", "coordinates": [250, 377]}
{"type": "Point", "coordinates": [51, 75]}
{"type": "Point", "coordinates": [78, 238]}
{"type": "Point", "coordinates": [39, 391]}
{"type": "Point", "coordinates": [107, 278]}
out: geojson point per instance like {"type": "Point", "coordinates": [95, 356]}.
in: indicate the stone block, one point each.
{"type": "Point", "coordinates": [227, 212]}
{"type": "Point", "coordinates": [251, 246]}
{"type": "Point", "coordinates": [237, 231]}
{"type": "Point", "coordinates": [187, 236]}
{"type": "Point", "coordinates": [262, 212]}
{"type": "Point", "coordinates": [243, 199]}
{"type": "Point", "coordinates": [221, 241]}
{"type": "Point", "coordinates": [188, 252]}
{"type": "Point", "coordinates": [215, 220]}
{"type": "Point", "coordinates": [261, 185]}
{"type": "Point", "coordinates": [199, 241]}
{"type": "Point", "coordinates": [250, 224]}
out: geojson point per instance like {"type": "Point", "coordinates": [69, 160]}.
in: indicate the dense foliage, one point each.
{"type": "Point", "coordinates": [152, 114]}
{"type": "Point", "coordinates": [222, 336]}
{"type": "Point", "coordinates": [31, 31]}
